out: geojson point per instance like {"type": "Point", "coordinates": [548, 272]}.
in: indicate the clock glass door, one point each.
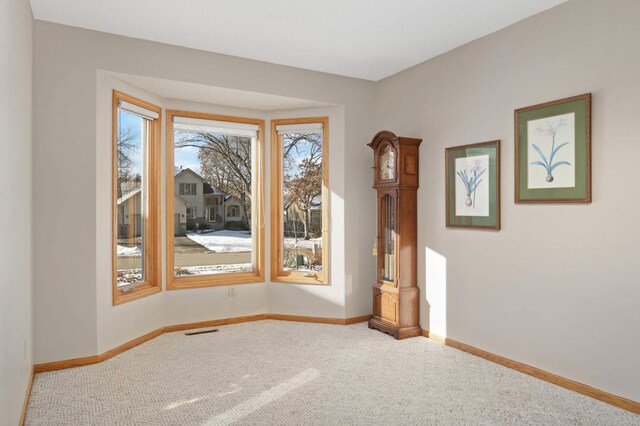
{"type": "Point", "coordinates": [387, 163]}
{"type": "Point", "coordinates": [387, 238]}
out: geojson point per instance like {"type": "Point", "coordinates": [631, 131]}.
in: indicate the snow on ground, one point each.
{"type": "Point", "coordinates": [212, 269]}
{"type": "Point", "coordinates": [223, 241]}
{"type": "Point", "coordinates": [133, 276]}
{"type": "Point", "coordinates": [124, 251]}
{"type": "Point", "coordinates": [302, 243]}
{"type": "Point", "coordinates": [129, 276]}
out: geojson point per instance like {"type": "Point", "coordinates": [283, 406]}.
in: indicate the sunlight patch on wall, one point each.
{"type": "Point", "coordinates": [436, 292]}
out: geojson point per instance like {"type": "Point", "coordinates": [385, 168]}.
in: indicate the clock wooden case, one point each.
{"type": "Point", "coordinates": [395, 292]}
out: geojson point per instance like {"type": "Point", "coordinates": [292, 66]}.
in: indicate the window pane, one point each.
{"type": "Point", "coordinates": [216, 171]}
{"type": "Point", "coordinates": [131, 197]}
{"type": "Point", "coordinates": [302, 202]}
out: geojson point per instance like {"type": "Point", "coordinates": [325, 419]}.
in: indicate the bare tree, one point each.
{"type": "Point", "coordinates": [226, 164]}
{"type": "Point", "coordinates": [128, 180]}
{"type": "Point", "coordinates": [304, 188]}
{"type": "Point", "coordinates": [302, 174]}
{"type": "Point", "coordinates": [126, 144]}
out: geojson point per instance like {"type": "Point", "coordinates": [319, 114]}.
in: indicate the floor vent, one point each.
{"type": "Point", "coordinates": [194, 333]}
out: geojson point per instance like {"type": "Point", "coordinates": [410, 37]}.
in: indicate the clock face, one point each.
{"type": "Point", "coordinates": [387, 163]}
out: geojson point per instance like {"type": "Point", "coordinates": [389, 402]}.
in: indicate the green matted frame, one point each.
{"type": "Point", "coordinates": [581, 192]}
{"type": "Point", "coordinates": [492, 149]}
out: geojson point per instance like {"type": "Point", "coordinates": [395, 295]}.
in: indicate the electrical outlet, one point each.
{"type": "Point", "coordinates": [231, 292]}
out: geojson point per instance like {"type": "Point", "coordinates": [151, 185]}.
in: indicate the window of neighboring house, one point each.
{"type": "Point", "coordinates": [191, 212]}
{"type": "Point", "coordinates": [188, 189]}
{"type": "Point", "coordinates": [136, 151]}
{"type": "Point", "coordinates": [233, 211]}
{"type": "Point", "coordinates": [299, 182]}
{"type": "Point", "coordinates": [226, 155]}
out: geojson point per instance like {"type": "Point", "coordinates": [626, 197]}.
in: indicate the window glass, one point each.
{"type": "Point", "coordinates": [132, 197]}
{"type": "Point", "coordinates": [214, 173]}
{"type": "Point", "coordinates": [302, 209]}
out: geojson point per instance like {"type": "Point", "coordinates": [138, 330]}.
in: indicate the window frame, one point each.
{"type": "Point", "coordinates": [278, 274]}
{"type": "Point", "coordinates": [193, 189]}
{"type": "Point", "coordinates": [233, 208]}
{"type": "Point", "coordinates": [214, 280]}
{"type": "Point", "coordinates": [152, 254]}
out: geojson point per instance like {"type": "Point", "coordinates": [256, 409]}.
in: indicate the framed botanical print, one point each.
{"type": "Point", "coordinates": [553, 152]}
{"type": "Point", "coordinates": [473, 185]}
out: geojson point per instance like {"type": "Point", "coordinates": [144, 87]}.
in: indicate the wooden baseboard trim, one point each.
{"type": "Point", "coordinates": [214, 323]}
{"type": "Point", "coordinates": [67, 363]}
{"type": "Point", "coordinates": [319, 320]}
{"type": "Point", "coordinates": [95, 359]}
{"type": "Point", "coordinates": [25, 404]}
{"type": "Point", "coordinates": [356, 320]}
{"type": "Point", "coordinates": [587, 390]}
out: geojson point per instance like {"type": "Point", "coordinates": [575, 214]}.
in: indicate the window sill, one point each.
{"type": "Point", "coordinates": [142, 290]}
{"type": "Point", "coordinates": [183, 283]}
{"type": "Point", "coordinates": [299, 279]}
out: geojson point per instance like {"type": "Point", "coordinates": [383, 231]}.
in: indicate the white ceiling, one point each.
{"type": "Point", "coordinates": [368, 39]}
{"type": "Point", "coordinates": [180, 90]}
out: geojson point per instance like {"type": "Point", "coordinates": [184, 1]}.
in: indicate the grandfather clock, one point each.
{"type": "Point", "coordinates": [395, 292]}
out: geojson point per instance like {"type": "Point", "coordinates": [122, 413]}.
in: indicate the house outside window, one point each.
{"type": "Point", "coordinates": [191, 212]}
{"type": "Point", "coordinates": [233, 211]}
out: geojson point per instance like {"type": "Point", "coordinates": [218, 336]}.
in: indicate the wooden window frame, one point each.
{"type": "Point", "coordinates": [278, 274]}
{"type": "Point", "coordinates": [152, 253]}
{"type": "Point", "coordinates": [232, 278]}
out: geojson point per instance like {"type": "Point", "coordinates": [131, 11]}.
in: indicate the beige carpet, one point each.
{"type": "Point", "coordinates": [286, 373]}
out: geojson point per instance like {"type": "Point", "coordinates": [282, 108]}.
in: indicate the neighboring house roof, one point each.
{"type": "Point", "coordinates": [186, 171]}
{"type": "Point", "coordinates": [210, 189]}
{"type": "Point", "coordinates": [316, 203]}
{"type": "Point", "coordinates": [128, 195]}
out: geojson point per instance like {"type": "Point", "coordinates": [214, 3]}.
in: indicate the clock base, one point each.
{"type": "Point", "coordinates": [398, 332]}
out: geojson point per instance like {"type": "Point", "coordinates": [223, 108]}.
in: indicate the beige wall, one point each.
{"type": "Point", "coordinates": [557, 287]}
{"type": "Point", "coordinates": [70, 146]}
{"type": "Point", "coordinates": [15, 209]}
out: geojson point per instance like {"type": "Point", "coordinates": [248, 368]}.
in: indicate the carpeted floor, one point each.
{"type": "Point", "coordinates": [286, 373]}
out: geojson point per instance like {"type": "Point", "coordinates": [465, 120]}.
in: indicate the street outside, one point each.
{"type": "Point", "coordinates": [208, 252]}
